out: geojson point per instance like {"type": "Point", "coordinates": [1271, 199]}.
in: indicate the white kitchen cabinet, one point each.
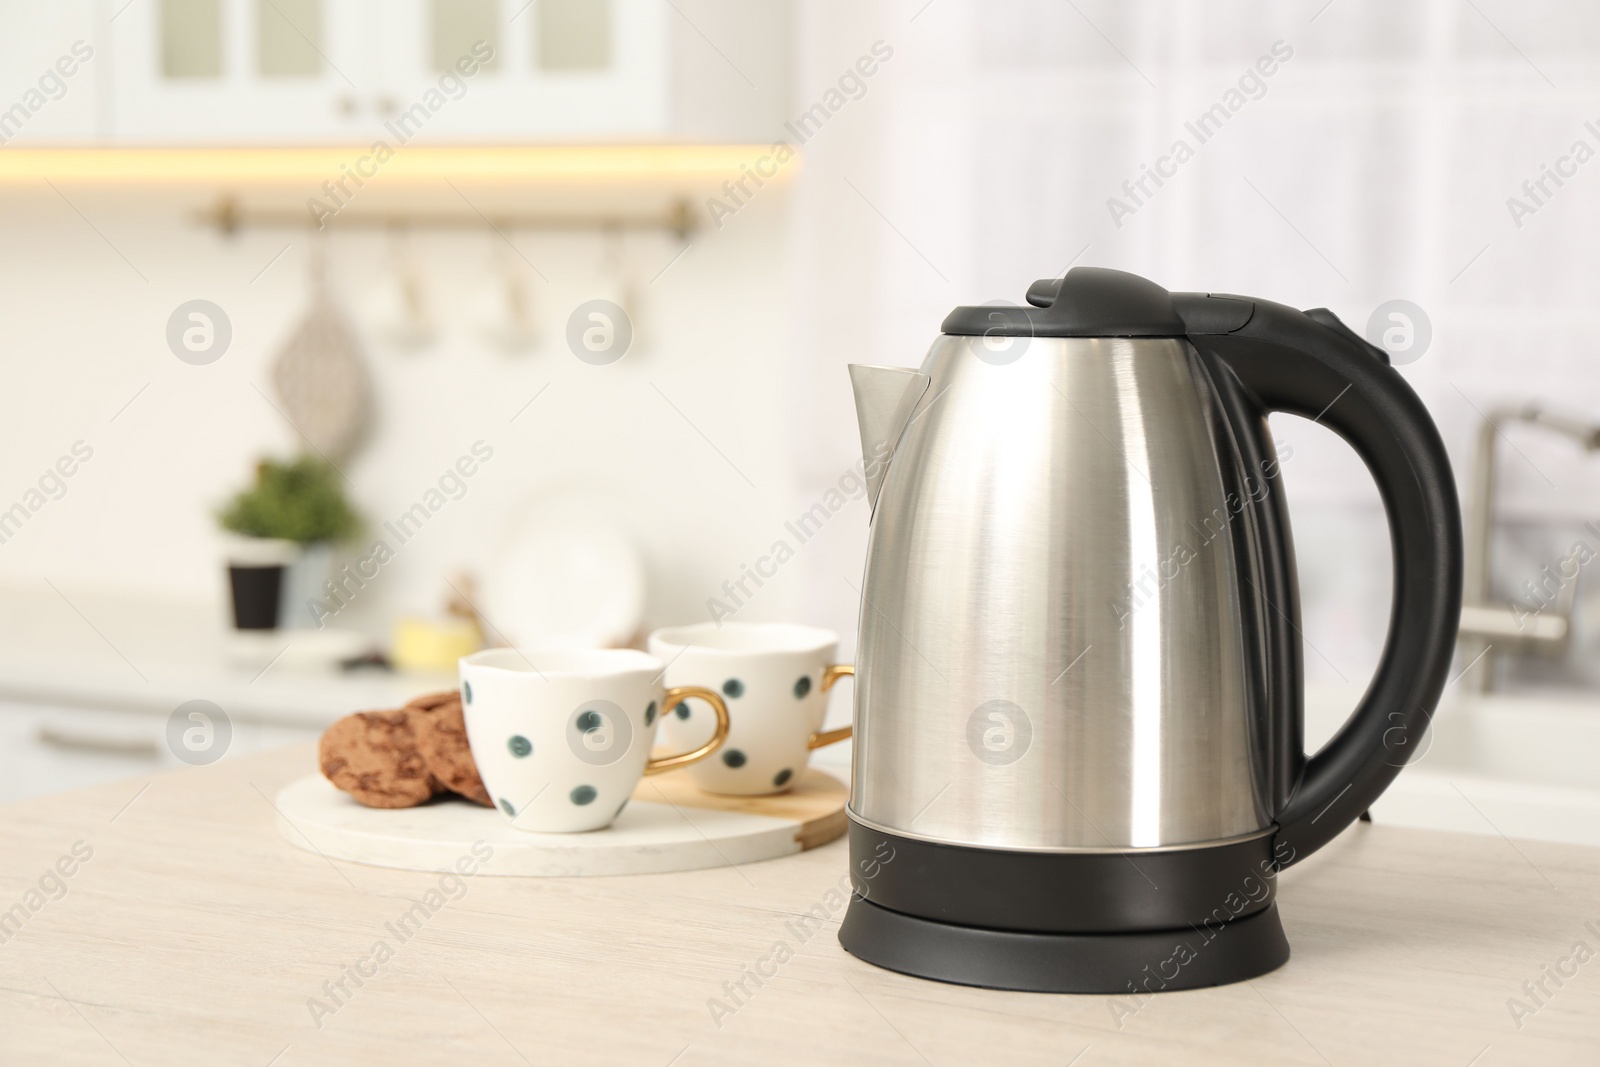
{"type": "Point", "coordinates": [245, 71]}
{"type": "Point", "coordinates": [48, 748]}
{"type": "Point", "coordinates": [49, 73]}
{"type": "Point", "coordinates": [443, 71]}
{"type": "Point", "coordinates": [560, 70]}
{"type": "Point", "coordinates": [187, 72]}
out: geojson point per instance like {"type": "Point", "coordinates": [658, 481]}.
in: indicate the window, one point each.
{"type": "Point", "coordinates": [460, 24]}
{"type": "Point", "coordinates": [191, 38]}
{"type": "Point", "coordinates": [289, 38]}
{"type": "Point", "coordinates": [574, 34]}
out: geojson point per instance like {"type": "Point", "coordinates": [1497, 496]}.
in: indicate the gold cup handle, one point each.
{"type": "Point", "coordinates": [674, 696]}
{"type": "Point", "coordinates": [827, 737]}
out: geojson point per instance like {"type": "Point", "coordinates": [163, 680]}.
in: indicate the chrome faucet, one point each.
{"type": "Point", "coordinates": [1489, 629]}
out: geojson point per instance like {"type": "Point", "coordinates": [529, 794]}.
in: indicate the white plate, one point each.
{"type": "Point", "coordinates": [569, 575]}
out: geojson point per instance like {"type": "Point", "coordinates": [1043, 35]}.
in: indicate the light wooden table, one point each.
{"type": "Point", "coordinates": [194, 934]}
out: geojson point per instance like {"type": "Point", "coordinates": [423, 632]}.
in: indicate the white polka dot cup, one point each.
{"type": "Point", "coordinates": [775, 678]}
{"type": "Point", "coordinates": [562, 737]}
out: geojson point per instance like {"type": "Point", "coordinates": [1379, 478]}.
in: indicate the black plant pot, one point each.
{"type": "Point", "coordinates": [257, 591]}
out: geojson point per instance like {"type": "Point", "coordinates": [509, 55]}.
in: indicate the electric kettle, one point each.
{"type": "Point", "coordinates": [1078, 725]}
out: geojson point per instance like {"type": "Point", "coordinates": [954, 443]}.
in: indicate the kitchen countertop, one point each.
{"type": "Point", "coordinates": [63, 645]}
{"type": "Point", "coordinates": [195, 934]}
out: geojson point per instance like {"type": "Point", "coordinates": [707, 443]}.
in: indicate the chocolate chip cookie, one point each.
{"type": "Point", "coordinates": [442, 740]}
{"type": "Point", "coordinates": [429, 701]}
{"type": "Point", "coordinates": [373, 756]}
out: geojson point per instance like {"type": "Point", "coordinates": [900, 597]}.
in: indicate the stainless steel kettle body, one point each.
{"type": "Point", "coordinates": [1078, 660]}
{"type": "Point", "coordinates": [1052, 651]}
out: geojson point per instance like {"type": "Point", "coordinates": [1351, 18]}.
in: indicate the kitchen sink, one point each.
{"type": "Point", "coordinates": [1518, 764]}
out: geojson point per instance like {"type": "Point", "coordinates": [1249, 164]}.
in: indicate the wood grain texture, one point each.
{"type": "Point", "coordinates": [816, 802]}
{"type": "Point", "coordinates": [195, 935]}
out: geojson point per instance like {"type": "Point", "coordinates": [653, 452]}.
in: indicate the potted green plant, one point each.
{"type": "Point", "coordinates": [284, 526]}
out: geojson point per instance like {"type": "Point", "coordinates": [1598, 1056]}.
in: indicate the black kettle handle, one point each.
{"type": "Point", "coordinates": [1310, 364]}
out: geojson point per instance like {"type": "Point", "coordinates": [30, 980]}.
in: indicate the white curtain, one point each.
{"type": "Point", "coordinates": [1375, 162]}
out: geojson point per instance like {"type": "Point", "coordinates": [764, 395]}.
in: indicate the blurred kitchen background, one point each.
{"type": "Point", "coordinates": [769, 191]}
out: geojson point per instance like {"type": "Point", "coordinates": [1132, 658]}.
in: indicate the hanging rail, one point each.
{"type": "Point", "coordinates": [229, 217]}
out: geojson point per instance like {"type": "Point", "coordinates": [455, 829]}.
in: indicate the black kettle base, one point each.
{"type": "Point", "coordinates": [1139, 963]}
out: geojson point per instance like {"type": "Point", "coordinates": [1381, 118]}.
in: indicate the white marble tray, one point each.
{"type": "Point", "coordinates": [668, 826]}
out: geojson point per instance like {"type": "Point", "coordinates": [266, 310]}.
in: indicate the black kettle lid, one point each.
{"type": "Point", "coordinates": [1087, 302]}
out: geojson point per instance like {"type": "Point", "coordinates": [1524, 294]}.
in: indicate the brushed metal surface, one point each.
{"type": "Point", "coordinates": [1051, 650]}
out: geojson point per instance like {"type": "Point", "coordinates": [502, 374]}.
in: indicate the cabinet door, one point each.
{"type": "Point", "coordinates": [47, 750]}
{"type": "Point", "coordinates": [244, 71]}
{"type": "Point", "coordinates": [48, 73]}
{"type": "Point", "coordinates": [50, 749]}
{"type": "Point", "coordinates": [545, 70]}
{"type": "Point", "coordinates": [295, 71]}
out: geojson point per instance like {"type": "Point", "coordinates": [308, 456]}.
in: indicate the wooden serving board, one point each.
{"type": "Point", "coordinates": [668, 826]}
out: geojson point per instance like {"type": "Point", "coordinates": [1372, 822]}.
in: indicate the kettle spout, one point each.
{"type": "Point", "coordinates": [885, 399]}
